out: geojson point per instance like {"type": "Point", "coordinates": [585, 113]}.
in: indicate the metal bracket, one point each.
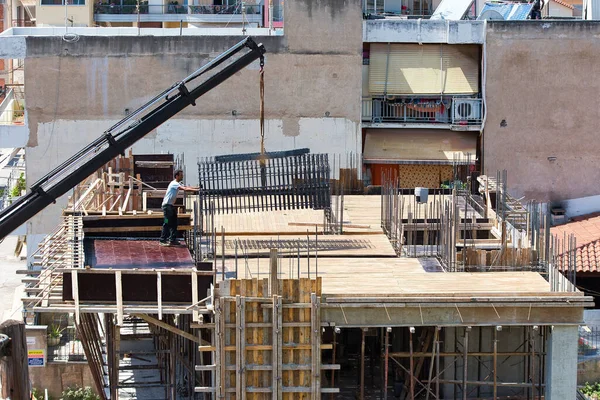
{"type": "Point", "coordinates": [186, 93]}
{"type": "Point", "coordinates": [43, 193]}
{"type": "Point", "coordinates": [112, 141]}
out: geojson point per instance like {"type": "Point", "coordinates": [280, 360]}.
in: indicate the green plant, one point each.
{"type": "Point", "coordinates": [591, 389]}
{"type": "Point", "coordinates": [76, 393]}
{"type": "Point", "coordinates": [55, 331]}
{"type": "Point", "coordinates": [19, 187]}
{"type": "Point", "coordinates": [39, 395]}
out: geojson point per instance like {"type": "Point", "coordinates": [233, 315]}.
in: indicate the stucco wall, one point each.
{"type": "Point", "coordinates": [540, 81]}
{"type": "Point", "coordinates": [57, 377]}
{"type": "Point", "coordinates": [54, 15]}
{"type": "Point", "coordinates": [313, 89]}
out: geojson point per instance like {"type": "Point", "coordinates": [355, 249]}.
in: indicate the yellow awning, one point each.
{"type": "Point", "coordinates": [411, 146]}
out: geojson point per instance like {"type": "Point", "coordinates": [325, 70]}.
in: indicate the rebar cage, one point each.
{"type": "Point", "coordinates": [276, 181]}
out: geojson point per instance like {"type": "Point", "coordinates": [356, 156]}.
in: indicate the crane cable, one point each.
{"type": "Point", "coordinates": [262, 109]}
{"type": "Point", "coordinates": [262, 158]}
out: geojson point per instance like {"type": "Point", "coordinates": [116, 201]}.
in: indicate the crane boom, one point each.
{"type": "Point", "coordinates": [125, 133]}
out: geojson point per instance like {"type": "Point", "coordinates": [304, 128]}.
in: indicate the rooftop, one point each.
{"type": "Point", "coordinates": [586, 230]}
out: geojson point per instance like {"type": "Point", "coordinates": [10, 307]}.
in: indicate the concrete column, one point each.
{"type": "Point", "coordinates": [561, 363]}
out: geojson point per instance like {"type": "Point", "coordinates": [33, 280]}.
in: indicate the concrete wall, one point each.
{"type": "Point", "coordinates": [423, 31]}
{"type": "Point", "coordinates": [57, 377]}
{"type": "Point", "coordinates": [74, 91]}
{"type": "Point", "coordinates": [540, 82]}
{"type": "Point", "coordinates": [561, 363]}
{"type": "Point", "coordinates": [54, 15]}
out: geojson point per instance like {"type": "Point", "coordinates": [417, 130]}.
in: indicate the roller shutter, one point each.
{"type": "Point", "coordinates": [461, 69]}
{"type": "Point", "coordinates": [413, 69]}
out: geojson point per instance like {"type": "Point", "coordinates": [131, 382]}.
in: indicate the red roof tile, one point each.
{"type": "Point", "coordinates": [562, 3]}
{"type": "Point", "coordinates": [586, 230]}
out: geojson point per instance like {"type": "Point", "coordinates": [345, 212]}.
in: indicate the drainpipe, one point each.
{"type": "Point", "coordinates": [483, 91]}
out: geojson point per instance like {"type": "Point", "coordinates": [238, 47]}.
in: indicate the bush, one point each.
{"type": "Point", "coordinates": [591, 389]}
{"type": "Point", "coordinates": [20, 186]}
{"type": "Point", "coordinates": [79, 394]}
{"type": "Point", "coordinates": [39, 394]}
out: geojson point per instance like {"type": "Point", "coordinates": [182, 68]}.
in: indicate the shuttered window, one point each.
{"type": "Point", "coordinates": [461, 69]}
{"type": "Point", "coordinates": [413, 69]}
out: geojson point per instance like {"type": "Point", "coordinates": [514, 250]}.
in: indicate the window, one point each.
{"type": "Point", "coordinates": [62, 2]}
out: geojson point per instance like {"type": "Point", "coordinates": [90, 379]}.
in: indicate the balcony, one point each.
{"type": "Point", "coordinates": [252, 14]}
{"type": "Point", "coordinates": [456, 113]}
{"type": "Point", "coordinates": [13, 128]}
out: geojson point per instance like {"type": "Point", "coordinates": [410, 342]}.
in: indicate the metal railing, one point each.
{"type": "Point", "coordinates": [173, 8]}
{"type": "Point", "coordinates": [588, 343]}
{"type": "Point", "coordinates": [19, 23]}
{"type": "Point", "coordinates": [455, 110]}
{"type": "Point", "coordinates": [68, 349]}
{"type": "Point", "coordinates": [12, 110]}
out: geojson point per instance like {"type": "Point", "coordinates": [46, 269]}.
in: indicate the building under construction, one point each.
{"type": "Point", "coordinates": [293, 284]}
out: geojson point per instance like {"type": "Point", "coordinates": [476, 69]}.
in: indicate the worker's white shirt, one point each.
{"type": "Point", "coordinates": [171, 194]}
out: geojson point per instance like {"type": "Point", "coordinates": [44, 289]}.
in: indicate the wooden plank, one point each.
{"type": "Point", "coordinates": [119, 294]}
{"type": "Point", "coordinates": [14, 372]}
{"type": "Point", "coordinates": [75, 288]}
{"type": "Point", "coordinates": [316, 346]}
{"type": "Point", "coordinates": [133, 229]}
{"type": "Point", "coordinates": [171, 328]}
{"type": "Point", "coordinates": [194, 278]}
{"type": "Point", "coordinates": [240, 317]}
{"type": "Point", "coordinates": [219, 352]}
{"type": "Point", "coordinates": [277, 348]}
{"type": "Point", "coordinates": [159, 294]}
{"type": "Point", "coordinates": [273, 270]}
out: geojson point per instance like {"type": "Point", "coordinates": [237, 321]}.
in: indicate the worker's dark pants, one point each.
{"type": "Point", "coordinates": [169, 228]}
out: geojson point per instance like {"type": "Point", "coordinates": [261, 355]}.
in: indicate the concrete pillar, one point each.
{"type": "Point", "coordinates": [561, 363]}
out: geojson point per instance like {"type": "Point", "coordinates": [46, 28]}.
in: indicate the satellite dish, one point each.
{"type": "Point", "coordinates": [491, 15]}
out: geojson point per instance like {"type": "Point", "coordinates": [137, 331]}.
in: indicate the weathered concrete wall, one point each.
{"type": "Point", "coordinates": [54, 15]}
{"type": "Point", "coordinates": [561, 363]}
{"type": "Point", "coordinates": [57, 377]}
{"type": "Point", "coordinates": [423, 31]}
{"type": "Point", "coordinates": [312, 96]}
{"type": "Point", "coordinates": [540, 81]}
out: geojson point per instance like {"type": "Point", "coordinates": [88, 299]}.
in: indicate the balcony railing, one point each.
{"type": "Point", "coordinates": [107, 8]}
{"type": "Point", "coordinates": [448, 110]}
{"type": "Point", "coordinates": [69, 347]}
{"type": "Point", "coordinates": [11, 110]}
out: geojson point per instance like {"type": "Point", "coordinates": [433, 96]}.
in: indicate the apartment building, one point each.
{"type": "Point", "coordinates": [422, 104]}
{"type": "Point", "coordinates": [160, 13]}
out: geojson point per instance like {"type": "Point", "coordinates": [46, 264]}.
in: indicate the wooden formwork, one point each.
{"type": "Point", "coordinates": [267, 341]}
{"type": "Point", "coordinates": [503, 258]}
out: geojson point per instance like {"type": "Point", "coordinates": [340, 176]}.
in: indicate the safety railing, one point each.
{"type": "Point", "coordinates": [406, 110]}
{"type": "Point", "coordinates": [455, 110]}
{"type": "Point", "coordinates": [68, 348]}
{"type": "Point", "coordinates": [61, 249]}
{"type": "Point", "coordinates": [588, 343]}
{"type": "Point", "coordinates": [175, 8]}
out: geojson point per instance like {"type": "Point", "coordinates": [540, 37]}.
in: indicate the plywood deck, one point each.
{"type": "Point", "coordinates": [265, 222]}
{"type": "Point", "coordinates": [394, 276]}
{"type": "Point", "coordinates": [376, 245]}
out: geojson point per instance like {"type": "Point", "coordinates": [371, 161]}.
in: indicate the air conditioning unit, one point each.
{"type": "Point", "coordinates": [467, 109]}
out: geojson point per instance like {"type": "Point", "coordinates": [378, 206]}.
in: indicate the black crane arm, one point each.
{"type": "Point", "coordinates": [125, 133]}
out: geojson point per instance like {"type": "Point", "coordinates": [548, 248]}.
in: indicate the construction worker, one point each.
{"type": "Point", "coordinates": [168, 236]}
